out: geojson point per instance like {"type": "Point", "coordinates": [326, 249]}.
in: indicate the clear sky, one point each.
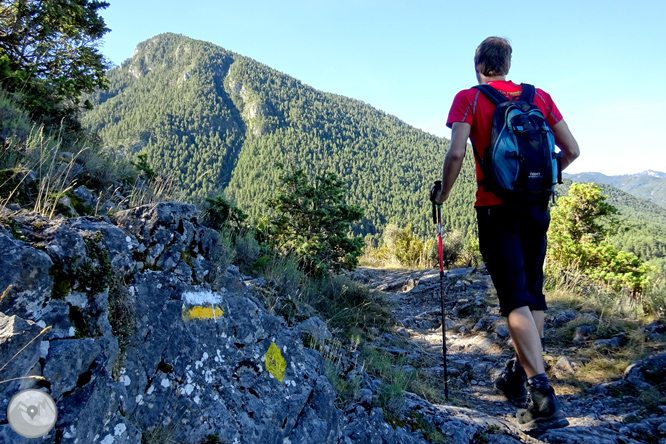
{"type": "Point", "coordinates": [600, 60]}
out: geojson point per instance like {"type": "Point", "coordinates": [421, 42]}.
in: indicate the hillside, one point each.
{"type": "Point", "coordinates": [650, 185]}
{"type": "Point", "coordinates": [220, 121]}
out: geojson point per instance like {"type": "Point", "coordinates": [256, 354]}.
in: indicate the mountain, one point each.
{"type": "Point", "coordinates": [652, 173]}
{"type": "Point", "coordinates": [649, 185]}
{"type": "Point", "coordinates": [219, 122]}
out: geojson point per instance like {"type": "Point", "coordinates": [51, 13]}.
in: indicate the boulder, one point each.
{"type": "Point", "coordinates": [196, 350]}
{"type": "Point", "coordinates": [173, 239]}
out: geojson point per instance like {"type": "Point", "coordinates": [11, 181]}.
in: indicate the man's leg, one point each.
{"type": "Point", "coordinates": [538, 316]}
{"type": "Point", "coordinates": [526, 340]}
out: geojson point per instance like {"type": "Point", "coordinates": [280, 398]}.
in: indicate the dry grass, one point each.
{"type": "Point", "coordinates": [616, 315]}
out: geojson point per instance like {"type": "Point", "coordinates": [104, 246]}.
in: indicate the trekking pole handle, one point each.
{"type": "Point", "coordinates": [433, 191]}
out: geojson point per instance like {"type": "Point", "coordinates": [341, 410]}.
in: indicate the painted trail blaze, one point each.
{"type": "Point", "coordinates": [201, 312]}
{"type": "Point", "coordinates": [275, 363]}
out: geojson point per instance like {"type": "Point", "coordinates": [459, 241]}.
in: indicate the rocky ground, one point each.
{"type": "Point", "coordinates": [478, 344]}
{"type": "Point", "coordinates": [142, 335]}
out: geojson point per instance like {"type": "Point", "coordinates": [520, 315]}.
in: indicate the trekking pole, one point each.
{"type": "Point", "coordinates": [437, 218]}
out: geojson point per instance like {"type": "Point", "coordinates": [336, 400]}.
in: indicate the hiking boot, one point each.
{"type": "Point", "coordinates": [511, 383]}
{"type": "Point", "coordinates": [542, 413]}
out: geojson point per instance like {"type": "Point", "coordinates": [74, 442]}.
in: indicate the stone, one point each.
{"type": "Point", "coordinates": [393, 350]}
{"type": "Point", "coordinates": [85, 196]}
{"type": "Point", "coordinates": [662, 429]}
{"type": "Point", "coordinates": [480, 325]}
{"type": "Point", "coordinates": [612, 343]}
{"type": "Point", "coordinates": [564, 366]}
{"type": "Point", "coordinates": [403, 332]}
{"type": "Point", "coordinates": [563, 317]}
{"type": "Point", "coordinates": [459, 273]}
{"type": "Point", "coordinates": [65, 246]}
{"type": "Point", "coordinates": [56, 315]}
{"type": "Point", "coordinates": [651, 371]}
{"type": "Point", "coordinates": [66, 361]}
{"type": "Point", "coordinates": [16, 333]}
{"type": "Point", "coordinates": [26, 270]}
{"type": "Point", "coordinates": [316, 328]}
{"type": "Point", "coordinates": [582, 332]}
{"type": "Point", "coordinates": [408, 285]}
{"type": "Point", "coordinates": [119, 245]}
{"type": "Point", "coordinates": [211, 347]}
{"type": "Point", "coordinates": [365, 398]}
{"type": "Point", "coordinates": [65, 207]}
{"type": "Point", "coordinates": [502, 331]}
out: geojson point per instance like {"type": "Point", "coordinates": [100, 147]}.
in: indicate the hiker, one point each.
{"type": "Point", "coordinates": [512, 235]}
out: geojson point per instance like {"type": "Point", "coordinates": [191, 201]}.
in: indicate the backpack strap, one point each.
{"type": "Point", "coordinates": [528, 93]}
{"type": "Point", "coordinates": [493, 95]}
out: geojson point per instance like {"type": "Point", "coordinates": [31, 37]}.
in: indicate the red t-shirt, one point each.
{"type": "Point", "coordinates": [473, 107]}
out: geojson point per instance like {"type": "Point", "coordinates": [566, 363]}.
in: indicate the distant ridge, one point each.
{"type": "Point", "coordinates": [651, 173]}
{"type": "Point", "coordinates": [649, 185]}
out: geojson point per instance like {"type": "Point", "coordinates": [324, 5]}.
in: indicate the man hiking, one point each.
{"type": "Point", "coordinates": [512, 233]}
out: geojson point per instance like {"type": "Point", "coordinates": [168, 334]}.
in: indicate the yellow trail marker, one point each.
{"type": "Point", "coordinates": [199, 312]}
{"type": "Point", "coordinates": [275, 363]}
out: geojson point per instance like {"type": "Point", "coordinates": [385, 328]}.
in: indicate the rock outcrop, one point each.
{"type": "Point", "coordinates": [148, 338]}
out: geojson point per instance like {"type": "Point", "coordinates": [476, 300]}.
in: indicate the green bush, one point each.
{"type": "Point", "coordinates": [220, 213]}
{"type": "Point", "coordinates": [578, 241]}
{"type": "Point", "coordinates": [311, 221]}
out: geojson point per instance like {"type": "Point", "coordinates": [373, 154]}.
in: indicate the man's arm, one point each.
{"type": "Point", "coordinates": [565, 140]}
{"type": "Point", "coordinates": [453, 159]}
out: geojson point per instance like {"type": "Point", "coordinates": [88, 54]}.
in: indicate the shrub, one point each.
{"type": "Point", "coordinates": [578, 241]}
{"type": "Point", "coordinates": [220, 213]}
{"type": "Point", "coordinates": [311, 221]}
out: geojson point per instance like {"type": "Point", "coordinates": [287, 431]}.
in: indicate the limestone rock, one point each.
{"type": "Point", "coordinates": [27, 271]}
{"type": "Point", "coordinates": [612, 343]}
{"type": "Point", "coordinates": [85, 195]}
{"type": "Point", "coordinates": [582, 332]}
{"type": "Point", "coordinates": [16, 333]}
{"type": "Point", "coordinates": [212, 350]}
{"type": "Point", "coordinates": [563, 317]}
{"type": "Point", "coordinates": [67, 362]}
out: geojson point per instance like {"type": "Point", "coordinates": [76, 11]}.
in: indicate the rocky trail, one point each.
{"type": "Point", "coordinates": [478, 345]}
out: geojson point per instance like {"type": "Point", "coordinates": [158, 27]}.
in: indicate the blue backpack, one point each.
{"type": "Point", "coordinates": [520, 164]}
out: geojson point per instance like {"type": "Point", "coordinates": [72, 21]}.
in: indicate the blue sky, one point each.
{"type": "Point", "coordinates": [599, 60]}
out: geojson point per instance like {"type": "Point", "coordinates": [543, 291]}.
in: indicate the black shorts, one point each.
{"type": "Point", "coordinates": [512, 240]}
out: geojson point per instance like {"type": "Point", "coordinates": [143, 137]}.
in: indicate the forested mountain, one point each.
{"type": "Point", "coordinates": [649, 185]}
{"type": "Point", "coordinates": [219, 121]}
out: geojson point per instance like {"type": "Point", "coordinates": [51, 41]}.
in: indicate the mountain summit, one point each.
{"type": "Point", "coordinates": [219, 121]}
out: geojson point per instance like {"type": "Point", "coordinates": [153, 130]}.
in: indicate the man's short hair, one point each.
{"type": "Point", "coordinates": [493, 57]}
